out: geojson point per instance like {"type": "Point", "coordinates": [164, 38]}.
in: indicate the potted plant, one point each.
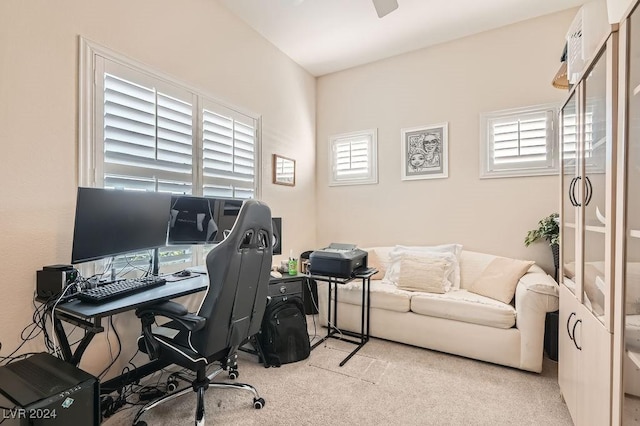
{"type": "Point", "coordinates": [549, 230]}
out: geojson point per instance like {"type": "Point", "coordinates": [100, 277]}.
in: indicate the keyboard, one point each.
{"type": "Point", "coordinates": [119, 288]}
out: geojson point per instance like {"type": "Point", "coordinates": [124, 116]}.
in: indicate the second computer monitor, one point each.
{"type": "Point", "coordinates": [193, 220]}
{"type": "Point", "coordinates": [205, 220]}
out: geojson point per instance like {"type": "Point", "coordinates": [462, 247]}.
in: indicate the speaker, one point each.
{"type": "Point", "coordinates": [52, 280]}
{"type": "Point", "coordinates": [43, 390]}
{"type": "Point", "coordinates": [276, 225]}
{"type": "Point", "coordinates": [551, 335]}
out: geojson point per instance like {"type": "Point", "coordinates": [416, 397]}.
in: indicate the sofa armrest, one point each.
{"type": "Point", "coordinates": [536, 294]}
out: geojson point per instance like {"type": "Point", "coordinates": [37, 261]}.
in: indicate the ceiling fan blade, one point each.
{"type": "Point", "coordinates": [384, 7]}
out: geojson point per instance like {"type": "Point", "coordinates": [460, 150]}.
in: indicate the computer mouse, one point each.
{"type": "Point", "coordinates": [184, 273]}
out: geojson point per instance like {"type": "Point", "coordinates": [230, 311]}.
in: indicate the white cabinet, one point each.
{"type": "Point", "coordinates": [599, 339]}
{"type": "Point", "coordinates": [586, 318]}
{"type": "Point", "coordinates": [584, 368]}
{"type": "Point", "coordinates": [587, 147]}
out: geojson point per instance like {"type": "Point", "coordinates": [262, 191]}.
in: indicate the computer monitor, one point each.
{"type": "Point", "coordinates": [276, 243]}
{"type": "Point", "coordinates": [110, 222]}
{"type": "Point", "coordinates": [203, 220]}
{"type": "Point", "coordinates": [192, 220]}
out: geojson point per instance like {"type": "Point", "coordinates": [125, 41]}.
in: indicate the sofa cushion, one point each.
{"type": "Point", "coordinates": [383, 295]}
{"type": "Point", "coordinates": [472, 264]}
{"type": "Point", "coordinates": [462, 305]}
{"type": "Point", "coordinates": [425, 273]}
{"type": "Point", "coordinates": [373, 261]}
{"type": "Point", "coordinates": [500, 278]}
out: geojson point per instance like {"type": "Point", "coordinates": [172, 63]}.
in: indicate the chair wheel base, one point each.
{"type": "Point", "coordinates": [258, 403]}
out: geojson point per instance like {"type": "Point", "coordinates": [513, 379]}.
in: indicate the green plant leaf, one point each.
{"type": "Point", "coordinates": [548, 229]}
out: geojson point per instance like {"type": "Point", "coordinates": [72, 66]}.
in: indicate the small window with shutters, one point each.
{"type": "Point", "coordinates": [519, 142]}
{"type": "Point", "coordinates": [353, 158]}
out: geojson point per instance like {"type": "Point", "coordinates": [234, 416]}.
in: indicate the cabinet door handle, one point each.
{"type": "Point", "coordinates": [568, 329]}
{"type": "Point", "coordinates": [589, 190]}
{"type": "Point", "coordinates": [573, 192]}
{"type": "Point", "coordinates": [571, 199]}
{"type": "Point", "coordinates": [574, 334]}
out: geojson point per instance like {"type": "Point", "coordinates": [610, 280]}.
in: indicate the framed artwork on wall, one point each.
{"type": "Point", "coordinates": [425, 153]}
{"type": "Point", "coordinates": [284, 170]}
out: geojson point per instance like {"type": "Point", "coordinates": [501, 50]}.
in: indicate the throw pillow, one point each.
{"type": "Point", "coordinates": [393, 270]}
{"type": "Point", "coordinates": [373, 261]}
{"type": "Point", "coordinates": [424, 273]}
{"type": "Point", "coordinates": [396, 265]}
{"type": "Point", "coordinates": [500, 278]}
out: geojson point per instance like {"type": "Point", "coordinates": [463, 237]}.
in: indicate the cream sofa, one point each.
{"type": "Point", "coordinates": [457, 322]}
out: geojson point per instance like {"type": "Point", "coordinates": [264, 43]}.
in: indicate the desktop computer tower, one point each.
{"type": "Point", "coordinates": [43, 390]}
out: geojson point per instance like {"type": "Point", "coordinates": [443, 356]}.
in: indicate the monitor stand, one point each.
{"type": "Point", "coordinates": [155, 267]}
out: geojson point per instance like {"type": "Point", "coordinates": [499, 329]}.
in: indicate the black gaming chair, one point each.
{"type": "Point", "coordinates": [230, 313]}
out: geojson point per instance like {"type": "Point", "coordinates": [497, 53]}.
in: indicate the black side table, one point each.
{"type": "Point", "coordinates": [333, 330]}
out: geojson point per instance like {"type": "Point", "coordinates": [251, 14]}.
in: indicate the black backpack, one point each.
{"type": "Point", "coordinates": [283, 337]}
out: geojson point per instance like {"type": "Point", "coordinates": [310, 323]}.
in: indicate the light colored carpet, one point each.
{"type": "Point", "coordinates": [367, 368]}
{"type": "Point", "coordinates": [385, 383]}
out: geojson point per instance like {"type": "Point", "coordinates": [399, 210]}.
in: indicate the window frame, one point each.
{"type": "Point", "coordinates": [90, 171]}
{"type": "Point", "coordinates": [550, 166]}
{"type": "Point", "coordinates": [91, 145]}
{"type": "Point", "coordinates": [372, 177]}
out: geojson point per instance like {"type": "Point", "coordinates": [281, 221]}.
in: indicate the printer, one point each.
{"type": "Point", "coordinates": [337, 260]}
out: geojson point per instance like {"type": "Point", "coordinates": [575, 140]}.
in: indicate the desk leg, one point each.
{"type": "Point", "coordinates": [364, 322]}
{"type": "Point", "coordinates": [363, 310]}
{"type": "Point", "coordinates": [62, 340]}
{"type": "Point", "coordinates": [368, 283]}
{"type": "Point", "coordinates": [335, 304]}
{"type": "Point", "coordinates": [363, 336]}
{"type": "Point", "coordinates": [329, 326]}
{"type": "Point", "coordinates": [90, 331]}
{"type": "Point", "coordinates": [82, 346]}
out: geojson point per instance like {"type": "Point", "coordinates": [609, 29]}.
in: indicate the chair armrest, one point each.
{"type": "Point", "coordinates": [174, 311]}
{"type": "Point", "coordinates": [536, 294]}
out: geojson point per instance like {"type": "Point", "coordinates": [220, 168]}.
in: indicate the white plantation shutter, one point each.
{"type": "Point", "coordinates": [148, 137]}
{"type": "Point", "coordinates": [353, 158]}
{"type": "Point", "coordinates": [519, 142]}
{"type": "Point", "coordinates": [229, 153]}
{"type": "Point", "coordinates": [521, 139]}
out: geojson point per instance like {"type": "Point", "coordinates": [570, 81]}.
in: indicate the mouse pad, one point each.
{"type": "Point", "coordinates": [172, 278]}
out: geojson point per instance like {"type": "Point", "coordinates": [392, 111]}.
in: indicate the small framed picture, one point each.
{"type": "Point", "coordinates": [284, 170]}
{"type": "Point", "coordinates": [425, 153]}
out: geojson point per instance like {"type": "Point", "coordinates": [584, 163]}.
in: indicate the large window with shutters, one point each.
{"type": "Point", "coordinates": [143, 130]}
{"type": "Point", "coordinates": [353, 158]}
{"type": "Point", "coordinates": [519, 142]}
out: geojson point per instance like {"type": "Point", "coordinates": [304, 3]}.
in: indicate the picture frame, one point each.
{"type": "Point", "coordinates": [425, 152]}
{"type": "Point", "coordinates": [284, 170]}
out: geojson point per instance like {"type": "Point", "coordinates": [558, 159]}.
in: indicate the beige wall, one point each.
{"type": "Point", "coordinates": [617, 9]}
{"type": "Point", "coordinates": [198, 42]}
{"type": "Point", "coordinates": [453, 82]}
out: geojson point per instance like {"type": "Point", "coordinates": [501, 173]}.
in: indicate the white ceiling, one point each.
{"type": "Point", "coordinates": [325, 36]}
